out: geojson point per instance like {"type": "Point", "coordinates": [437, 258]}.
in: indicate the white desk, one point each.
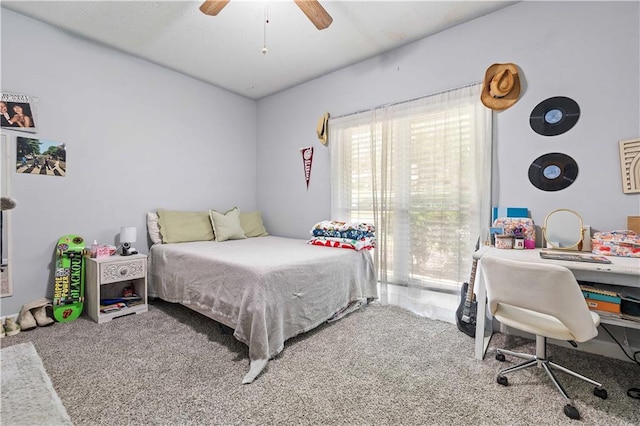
{"type": "Point", "coordinates": [624, 271]}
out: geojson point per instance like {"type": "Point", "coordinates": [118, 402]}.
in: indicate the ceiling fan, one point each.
{"type": "Point", "coordinates": [314, 11]}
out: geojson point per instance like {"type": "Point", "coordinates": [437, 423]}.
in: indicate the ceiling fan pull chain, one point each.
{"type": "Point", "coordinates": [266, 21]}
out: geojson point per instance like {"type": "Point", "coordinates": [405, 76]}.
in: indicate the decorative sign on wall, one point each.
{"type": "Point", "coordinates": [40, 157]}
{"type": "Point", "coordinates": [630, 165]}
{"type": "Point", "coordinates": [307, 159]}
{"type": "Point", "coordinates": [17, 112]}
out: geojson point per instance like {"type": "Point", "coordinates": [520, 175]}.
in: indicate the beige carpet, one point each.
{"type": "Point", "coordinates": [28, 397]}
{"type": "Point", "coordinates": [377, 366]}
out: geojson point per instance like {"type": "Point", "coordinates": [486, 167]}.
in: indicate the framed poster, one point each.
{"type": "Point", "coordinates": [18, 112]}
{"type": "Point", "coordinates": [40, 157]}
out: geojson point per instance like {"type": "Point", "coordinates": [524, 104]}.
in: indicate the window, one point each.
{"type": "Point", "coordinates": [420, 171]}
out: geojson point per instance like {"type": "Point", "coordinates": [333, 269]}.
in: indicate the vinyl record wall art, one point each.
{"type": "Point", "coordinates": [554, 116]}
{"type": "Point", "coordinates": [553, 171]}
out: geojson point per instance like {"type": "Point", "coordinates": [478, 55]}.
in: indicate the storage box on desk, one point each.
{"type": "Point", "coordinates": [525, 224]}
{"type": "Point", "coordinates": [509, 212]}
{"type": "Point", "coordinates": [616, 243]}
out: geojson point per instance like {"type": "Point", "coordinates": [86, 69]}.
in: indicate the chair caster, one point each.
{"type": "Point", "coordinates": [500, 357]}
{"type": "Point", "coordinates": [571, 412]}
{"type": "Point", "coordinates": [600, 393]}
{"type": "Point", "coordinates": [502, 380]}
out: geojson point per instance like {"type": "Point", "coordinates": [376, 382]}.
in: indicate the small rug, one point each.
{"type": "Point", "coordinates": [28, 396]}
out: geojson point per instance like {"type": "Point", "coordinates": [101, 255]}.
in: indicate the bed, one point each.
{"type": "Point", "coordinates": [267, 289]}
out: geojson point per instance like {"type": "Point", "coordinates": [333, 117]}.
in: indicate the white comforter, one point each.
{"type": "Point", "coordinates": [268, 289]}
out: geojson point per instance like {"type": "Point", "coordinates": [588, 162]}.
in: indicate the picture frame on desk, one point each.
{"type": "Point", "coordinates": [493, 231]}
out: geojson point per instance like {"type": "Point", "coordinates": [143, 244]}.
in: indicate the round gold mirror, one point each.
{"type": "Point", "coordinates": [563, 230]}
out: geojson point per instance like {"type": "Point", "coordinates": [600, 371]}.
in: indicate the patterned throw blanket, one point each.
{"type": "Point", "coordinates": [334, 233]}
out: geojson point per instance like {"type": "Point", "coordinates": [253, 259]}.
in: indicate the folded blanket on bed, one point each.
{"type": "Point", "coordinates": [351, 235]}
{"type": "Point", "coordinates": [330, 226]}
{"type": "Point", "coordinates": [363, 244]}
{"type": "Point", "coordinates": [333, 228]}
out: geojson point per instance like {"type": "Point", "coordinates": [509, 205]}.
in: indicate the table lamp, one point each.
{"type": "Point", "coordinates": [127, 237]}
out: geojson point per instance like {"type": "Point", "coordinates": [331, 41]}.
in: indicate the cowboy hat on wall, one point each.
{"type": "Point", "coordinates": [501, 86]}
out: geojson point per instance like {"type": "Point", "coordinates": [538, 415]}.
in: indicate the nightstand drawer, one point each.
{"type": "Point", "coordinates": [122, 270]}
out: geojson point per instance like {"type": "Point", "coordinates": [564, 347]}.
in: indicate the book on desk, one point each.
{"type": "Point", "coordinates": [574, 257]}
{"type": "Point", "coordinates": [611, 300]}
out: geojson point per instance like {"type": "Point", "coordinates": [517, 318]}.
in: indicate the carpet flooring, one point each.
{"type": "Point", "coordinates": [380, 365]}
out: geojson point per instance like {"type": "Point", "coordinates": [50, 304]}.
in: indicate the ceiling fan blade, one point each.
{"type": "Point", "coordinates": [315, 12]}
{"type": "Point", "coordinates": [213, 7]}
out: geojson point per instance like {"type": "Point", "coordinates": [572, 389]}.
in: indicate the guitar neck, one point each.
{"type": "Point", "coordinates": [472, 279]}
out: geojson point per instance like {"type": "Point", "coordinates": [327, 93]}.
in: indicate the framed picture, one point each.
{"type": "Point", "coordinates": [18, 112]}
{"type": "Point", "coordinates": [41, 157]}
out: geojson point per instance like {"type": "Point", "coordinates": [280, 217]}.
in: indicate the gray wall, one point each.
{"type": "Point", "coordinates": [139, 137]}
{"type": "Point", "coordinates": [588, 51]}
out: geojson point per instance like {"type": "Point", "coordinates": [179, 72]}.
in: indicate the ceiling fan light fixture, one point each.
{"type": "Point", "coordinates": [312, 8]}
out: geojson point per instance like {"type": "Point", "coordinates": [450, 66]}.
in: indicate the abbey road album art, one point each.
{"type": "Point", "coordinates": [40, 157]}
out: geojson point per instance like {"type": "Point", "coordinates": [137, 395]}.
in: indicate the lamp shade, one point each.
{"type": "Point", "coordinates": [128, 234]}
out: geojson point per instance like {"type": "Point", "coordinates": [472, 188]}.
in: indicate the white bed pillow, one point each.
{"type": "Point", "coordinates": [227, 226]}
{"type": "Point", "coordinates": [153, 228]}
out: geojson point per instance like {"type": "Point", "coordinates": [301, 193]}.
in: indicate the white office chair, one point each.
{"type": "Point", "coordinates": [544, 300]}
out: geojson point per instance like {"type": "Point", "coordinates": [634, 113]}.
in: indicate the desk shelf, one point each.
{"type": "Point", "coordinates": [620, 322]}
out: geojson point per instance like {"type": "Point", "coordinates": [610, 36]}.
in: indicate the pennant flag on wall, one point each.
{"type": "Point", "coordinates": [307, 158]}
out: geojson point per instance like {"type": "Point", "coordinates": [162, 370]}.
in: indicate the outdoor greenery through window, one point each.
{"type": "Point", "coordinates": [420, 171]}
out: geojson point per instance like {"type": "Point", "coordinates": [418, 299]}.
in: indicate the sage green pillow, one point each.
{"type": "Point", "coordinates": [252, 225]}
{"type": "Point", "coordinates": [227, 226]}
{"type": "Point", "coordinates": [181, 227]}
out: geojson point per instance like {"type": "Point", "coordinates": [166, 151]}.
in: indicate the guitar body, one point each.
{"type": "Point", "coordinates": [466, 312]}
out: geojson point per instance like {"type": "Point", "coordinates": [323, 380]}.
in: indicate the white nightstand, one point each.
{"type": "Point", "coordinates": [106, 278]}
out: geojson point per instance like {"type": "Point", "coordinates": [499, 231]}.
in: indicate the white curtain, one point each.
{"type": "Point", "coordinates": [421, 172]}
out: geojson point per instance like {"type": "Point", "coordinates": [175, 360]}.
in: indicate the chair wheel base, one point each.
{"type": "Point", "coordinates": [600, 393]}
{"type": "Point", "coordinates": [571, 412]}
{"type": "Point", "coordinates": [500, 357]}
{"type": "Point", "coordinates": [502, 380]}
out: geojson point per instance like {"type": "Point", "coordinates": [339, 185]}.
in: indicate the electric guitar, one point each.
{"type": "Point", "coordinates": [467, 311]}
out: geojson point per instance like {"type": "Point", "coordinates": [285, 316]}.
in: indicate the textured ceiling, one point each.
{"type": "Point", "coordinates": [226, 50]}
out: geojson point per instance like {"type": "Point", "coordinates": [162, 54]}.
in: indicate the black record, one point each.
{"type": "Point", "coordinates": [553, 172]}
{"type": "Point", "coordinates": [554, 116]}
